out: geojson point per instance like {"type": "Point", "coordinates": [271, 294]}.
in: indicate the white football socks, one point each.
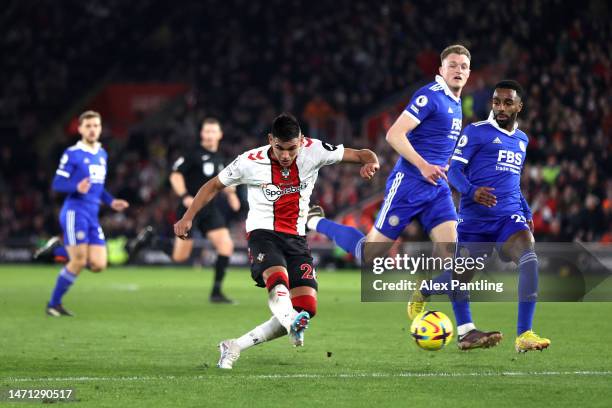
{"type": "Point", "coordinates": [312, 223]}
{"type": "Point", "coordinates": [465, 328]}
{"type": "Point", "coordinates": [281, 307]}
{"type": "Point", "coordinates": [266, 331]}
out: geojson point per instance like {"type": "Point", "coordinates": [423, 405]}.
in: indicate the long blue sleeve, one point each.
{"type": "Point", "coordinates": [107, 198]}
{"type": "Point", "coordinates": [526, 208]}
{"type": "Point", "coordinates": [458, 180]}
{"type": "Point", "coordinates": [63, 184]}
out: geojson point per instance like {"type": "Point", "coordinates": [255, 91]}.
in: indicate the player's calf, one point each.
{"type": "Point", "coordinates": [277, 283]}
{"type": "Point", "coordinates": [307, 304]}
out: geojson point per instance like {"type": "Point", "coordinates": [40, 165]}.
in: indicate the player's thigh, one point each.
{"type": "Point", "coordinates": [475, 244]}
{"type": "Point", "coordinates": [376, 244]}
{"type": "Point", "coordinates": [301, 270]}
{"type": "Point", "coordinates": [221, 240]}
{"type": "Point", "coordinates": [517, 244]}
{"type": "Point", "coordinates": [182, 249]}
{"type": "Point", "coordinates": [265, 255]}
{"type": "Point", "coordinates": [97, 257]}
{"type": "Point", "coordinates": [439, 217]}
{"type": "Point", "coordinates": [444, 238]}
{"type": "Point", "coordinates": [77, 257]}
{"type": "Point", "coordinates": [444, 232]}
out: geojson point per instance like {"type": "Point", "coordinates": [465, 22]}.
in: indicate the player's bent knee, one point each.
{"type": "Point", "coordinates": [180, 257]}
{"type": "Point", "coordinates": [76, 264]}
{"type": "Point", "coordinates": [306, 303]}
{"type": "Point", "coordinates": [226, 248]}
{"type": "Point", "coordinates": [276, 277]}
{"type": "Point", "coordinates": [97, 267]}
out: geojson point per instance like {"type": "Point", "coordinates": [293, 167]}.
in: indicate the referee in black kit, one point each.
{"type": "Point", "coordinates": [189, 173]}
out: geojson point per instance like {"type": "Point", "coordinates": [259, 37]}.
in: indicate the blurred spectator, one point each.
{"type": "Point", "coordinates": [331, 62]}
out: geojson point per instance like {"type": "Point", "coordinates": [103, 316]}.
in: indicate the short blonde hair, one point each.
{"type": "Point", "coordinates": [88, 115]}
{"type": "Point", "coordinates": [455, 49]}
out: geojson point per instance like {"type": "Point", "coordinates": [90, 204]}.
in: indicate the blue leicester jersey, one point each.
{"type": "Point", "coordinates": [78, 162]}
{"type": "Point", "coordinates": [492, 157]}
{"type": "Point", "coordinates": [438, 114]}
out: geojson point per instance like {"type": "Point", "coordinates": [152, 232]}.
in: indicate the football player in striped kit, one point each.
{"type": "Point", "coordinates": [280, 178]}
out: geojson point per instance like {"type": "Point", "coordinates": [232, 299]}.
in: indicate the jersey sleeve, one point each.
{"type": "Point", "coordinates": [64, 180]}
{"type": "Point", "coordinates": [182, 164]}
{"type": "Point", "coordinates": [67, 165]}
{"type": "Point", "coordinates": [324, 153]}
{"type": "Point", "coordinates": [421, 106]}
{"type": "Point", "coordinates": [467, 145]}
{"type": "Point", "coordinates": [233, 173]}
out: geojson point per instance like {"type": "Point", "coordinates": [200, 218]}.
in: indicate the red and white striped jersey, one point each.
{"type": "Point", "coordinates": [279, 196]}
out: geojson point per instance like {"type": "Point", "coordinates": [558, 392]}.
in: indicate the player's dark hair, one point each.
{"type": "Point", "coordinates": [88, 115]}
{"type": "Point", "coordinates": [285, 127]}
{"type": "Point", "coordinates": [511, 84]}
{"type": "Point", "coordinates": [211, 121]}
{"type": "Point", "coordinates": [455, 49]}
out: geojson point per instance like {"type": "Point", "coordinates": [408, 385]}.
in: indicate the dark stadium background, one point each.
{"type": "Point", "coordinates": [155, 69]}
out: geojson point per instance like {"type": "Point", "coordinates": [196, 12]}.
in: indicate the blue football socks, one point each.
{"type": "Point", "coordinates": [348, 238]}
{"type": "Point", "coordinates": [528, 291]}
{"type": "Point", "coordinates": [65, 279]}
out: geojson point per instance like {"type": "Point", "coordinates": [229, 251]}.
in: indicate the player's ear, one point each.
{"type": "Point", "coordinates": [270, 137]}
{"type": "Point", "coordinates": [520, 107]}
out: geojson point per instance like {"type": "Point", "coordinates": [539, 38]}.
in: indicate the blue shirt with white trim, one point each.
{"type": "Point", "coordinates": [77, 163]}
{"type": "Point", "coordinates": [489, 156]}
{"type": "Point", "coordinates": [438, 114]}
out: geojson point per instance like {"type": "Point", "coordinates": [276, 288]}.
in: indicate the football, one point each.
{"type": "Point", "coordinates": [431, 330]}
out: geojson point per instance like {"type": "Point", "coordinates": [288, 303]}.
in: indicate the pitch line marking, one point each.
{"type": "Point", "coordinates": [339, 375]}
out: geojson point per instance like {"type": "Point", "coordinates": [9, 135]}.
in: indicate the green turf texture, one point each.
{"type": "Point", "coordinates": [148, 337]}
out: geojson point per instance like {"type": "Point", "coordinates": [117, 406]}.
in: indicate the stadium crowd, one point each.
{"type": "Point", "coordinates": [330, 63]}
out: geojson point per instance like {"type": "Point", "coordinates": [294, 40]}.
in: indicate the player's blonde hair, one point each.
{"type": "Point", "coordinates": [88, 115]}
{"type": "Point", "coordinates": [455, 49]}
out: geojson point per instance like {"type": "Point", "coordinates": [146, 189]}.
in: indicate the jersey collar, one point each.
{"type": "Point", "coordinates": [446, 89]}
{"type": "Point", "coordinates": [493, 123]}
{"type": "Point", "coordinates": [92, 150]}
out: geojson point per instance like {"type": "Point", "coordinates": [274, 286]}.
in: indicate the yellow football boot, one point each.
{"type": "Point", "coordinates": [528, 341]}
{"type": "Point", "coordinates": [416, 304]}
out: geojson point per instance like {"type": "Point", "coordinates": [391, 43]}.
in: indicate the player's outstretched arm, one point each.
{"type": "Point", "coordinates": [366, 158]}
{"type": "Point", "coordinates": [396, 137]}
{"type": "Point", "coordinates": [205, 194]}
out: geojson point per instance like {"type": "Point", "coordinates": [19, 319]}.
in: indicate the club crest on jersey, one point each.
{"type": "Point", "coordinates": [522, 145]}
{"type": "Point", "coordinates": [285, 173]}
{"type": "Point", "coordinates": [272, 192]}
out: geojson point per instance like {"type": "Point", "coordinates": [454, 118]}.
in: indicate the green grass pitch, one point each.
{"type": "Point", "coordinates": [148, 337]}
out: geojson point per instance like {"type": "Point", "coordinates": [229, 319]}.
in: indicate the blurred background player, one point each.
{"type": "Point", "coordinates": [280, 179]}
{"type": "Point", "coordinates": [190, 171]}
{"type": "Point", "coordinates": [81, 175]}
{"type": "Point", "coordinates": [424, 135]}
{"type": "Point", "coordinates": [486, 168]}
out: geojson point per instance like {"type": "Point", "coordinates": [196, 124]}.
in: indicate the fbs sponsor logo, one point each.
{"type": "Point", "coordinates": [272, 192]}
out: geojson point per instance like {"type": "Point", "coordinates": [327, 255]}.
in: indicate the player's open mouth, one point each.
{"type": "Point", "coordinates": [458, 78]}
{"type": "Point", "coordinates": [501, 116]}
